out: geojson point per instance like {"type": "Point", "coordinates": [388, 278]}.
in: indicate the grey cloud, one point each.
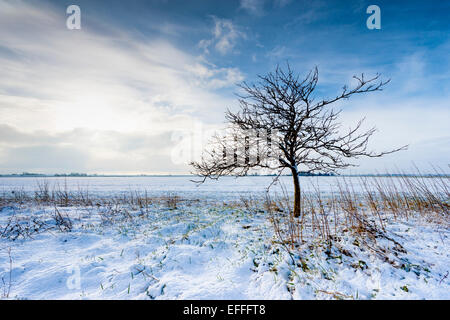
{"type": "Point", "coordinates": [96, 100]}
{"type": "Point", "coordinates": [11, 136]}
{"type": "Point", "coordinates": [86, 150]}
{"type": "Point", "coordinates": [43, 158]}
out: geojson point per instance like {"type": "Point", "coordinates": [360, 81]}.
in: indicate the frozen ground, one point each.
{"type": "Point", "coordinates": [206, 249]}
{"type": "Point", "coordinates": [228, 188]}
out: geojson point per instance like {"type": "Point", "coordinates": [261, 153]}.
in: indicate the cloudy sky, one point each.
{"type": "Point", "coordinates": [142, 82]}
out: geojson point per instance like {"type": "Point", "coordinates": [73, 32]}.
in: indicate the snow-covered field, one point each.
{"type": "Point", "coordinates": [224, 188]}
{"type": "Point", "coordinates": [205, 244]}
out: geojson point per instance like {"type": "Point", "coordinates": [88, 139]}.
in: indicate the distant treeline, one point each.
{"type": "Point", "coordinates": [31, 174]}
{"type": "Point", "coordinates": [75, 174]}
{"type": "Point", "coordinates": [303, 174]}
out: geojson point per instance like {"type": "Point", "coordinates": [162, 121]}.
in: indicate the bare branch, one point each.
{"type": "Point", "coordinates": [280, 126]}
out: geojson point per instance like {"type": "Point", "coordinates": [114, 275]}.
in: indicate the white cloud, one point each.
{"type": "Point", "coordinates": [278, 52]}
{"type": "Point", "coordinates": [107, 102]}
{"type": "Point", "coordinates": [399, 122]}
{"type": "Point", "coordinates": [255, 7]}
{"type": "Point", "coordinates": [313, 12]}
{"type": "Point", "coordinates": [217, 77]}
{"type": "Point", "coordinates": [412, 69]}
{"type": "Point", "coordinates": [225, 37]}
{"type": "Point", "coordinates": [111, 86]}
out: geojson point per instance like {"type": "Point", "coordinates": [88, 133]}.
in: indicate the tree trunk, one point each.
{"type": "Point", "coordinates": [297, 194]}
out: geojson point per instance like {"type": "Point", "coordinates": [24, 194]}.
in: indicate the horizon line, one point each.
{"type": "Point", "coordinates": [94, 175]}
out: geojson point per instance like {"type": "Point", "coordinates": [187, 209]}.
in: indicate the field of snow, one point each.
{"type": "Point", "coordinates": [224, 188]}
{"type": "Point", "coordinates": [206, 245]}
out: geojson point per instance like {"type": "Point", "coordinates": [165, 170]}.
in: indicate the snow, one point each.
{"type": "Point", "coordinates": [208, 249]}
{"type": "Point", "coordinates": [226, 188]}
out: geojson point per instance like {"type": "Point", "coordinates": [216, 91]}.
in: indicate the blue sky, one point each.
{"type": "Point", "coordinates": [137, 88]}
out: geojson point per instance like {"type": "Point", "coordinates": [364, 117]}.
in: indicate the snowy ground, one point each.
{"type": "Point", "coordinates": [226, 188]}
{"type": "Point", "coordinates": [207, 250]}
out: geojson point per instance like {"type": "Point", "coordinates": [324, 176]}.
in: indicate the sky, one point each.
{"type": "Point", "coordinates": [141, 86]}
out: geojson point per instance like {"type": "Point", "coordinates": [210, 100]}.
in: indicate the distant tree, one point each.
{"type": "Point", "coordinates": [280, 125]}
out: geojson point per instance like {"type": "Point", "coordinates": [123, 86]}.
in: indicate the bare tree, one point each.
{"type": "Point", "coordinates": [280, 125]}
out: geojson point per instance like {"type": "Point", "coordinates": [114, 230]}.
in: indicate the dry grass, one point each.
{"type": "Point", "coordinates": [60, 195]}
{"type": "Point", "coordinates": [363, 214]}
{"type": "Point", "coordinates": [322, 217]}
